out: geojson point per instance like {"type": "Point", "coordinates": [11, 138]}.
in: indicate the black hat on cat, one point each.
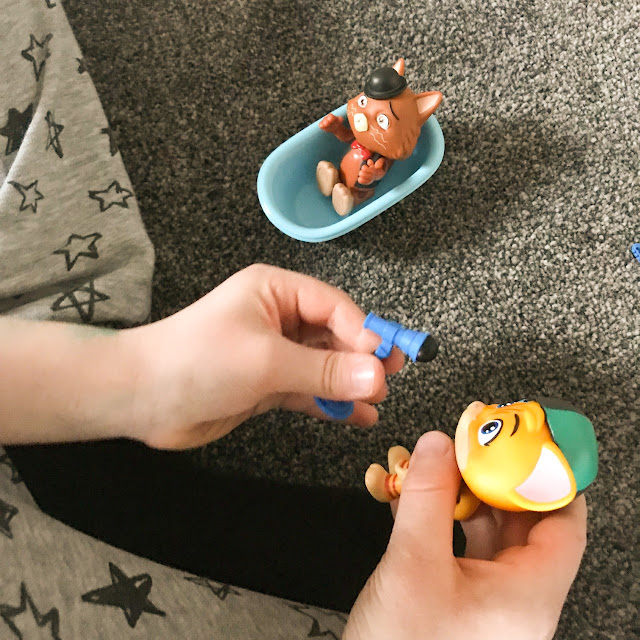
{"type": "Point", "coordinates": [384, 83]}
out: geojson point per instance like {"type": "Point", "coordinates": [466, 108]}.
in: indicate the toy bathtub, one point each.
{"type": "Point", "coordinates": [290, 197]}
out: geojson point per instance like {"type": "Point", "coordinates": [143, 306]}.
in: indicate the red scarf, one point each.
{"type": "Point", "coordinates": [366, 154]}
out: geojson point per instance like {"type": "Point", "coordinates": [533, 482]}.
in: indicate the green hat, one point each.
{"type": "Point", "coordinates": [575, 436]}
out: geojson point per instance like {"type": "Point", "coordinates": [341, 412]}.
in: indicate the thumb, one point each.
{"type": "Point", "coordinates": [336, 375]}
{"type": "Point", "coordinates": [424, 520]}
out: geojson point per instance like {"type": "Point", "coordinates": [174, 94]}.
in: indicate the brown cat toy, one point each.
{"type": "Point", "coordinates": [384, 123]}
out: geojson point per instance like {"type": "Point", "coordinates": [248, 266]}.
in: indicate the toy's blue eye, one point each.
{"type": "Point", "coordinates": [489, 431]}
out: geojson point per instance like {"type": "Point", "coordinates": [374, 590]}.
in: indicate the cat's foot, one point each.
{"type": "Point", "coordinates": [398, 458]}
{"type": "Point", "coordinates": [380, 484]}
{"type": "Point", "coordinates": [327, 177]}
{"type": "Point", "coordinates": [384, 486]}
{"type": "Point", "coordinates": [342, 199]}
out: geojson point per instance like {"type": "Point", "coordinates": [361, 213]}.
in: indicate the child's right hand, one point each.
{"type": "Point", "coordinates": [420, 590]}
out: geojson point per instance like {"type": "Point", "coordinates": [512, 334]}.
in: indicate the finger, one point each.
{"type": "Point", "coordinates": [335, 375]}
{"type": "Point", "coordinates": [394, 362]}
{"type": "Point", "coordinates": [394, 507]}
{"type": "Point", "coordinates": [324, 306]}
{"type": "Point", "coordinates": [555, 547]}
{"type": "Point", "coordinates": [514, 528]}
{"type": "Point", "coordinates": [306, 299]}
{"type": "Point", "coordinates": [377, 397]}
{"type": "Point", "coordinates": [322, 338]}
{"type": "Point", "coordinates": [370, 163]}
{"type": "Point", "coordinates": [424, 520]}
{"type": "Point", "coordinates": [561, 537]}
{"type": "Point", "coordinates": [364, 415]}
{"type": "Point", "coordinates": [379, 163]}
{"type": "Point", "coordinates": [481, 532]}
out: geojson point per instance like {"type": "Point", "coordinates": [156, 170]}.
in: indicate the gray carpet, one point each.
{"type": "Point", "coordinates": [516, 253]}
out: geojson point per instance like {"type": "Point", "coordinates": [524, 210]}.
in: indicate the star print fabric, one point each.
{"type": "Point", "coordinates": [60, 584]}
{"type": "Point", "coordinates": [73, 246]}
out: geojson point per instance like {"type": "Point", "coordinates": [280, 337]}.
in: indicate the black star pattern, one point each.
{"type": "Point", "coordinates": [79, 246]}
{"type": "Point", "coordinates": [16, 128]}
{"type": "Point", "coordinates": [30, 195]}
{"type": "Point", "coordinates": [329, 624]}
{"type": "Point", "coordinates": [37, 52]}
{"type": "Point", "coordinates": [7, 511]}
{"type": "Point", "coordinates": [81, 65]}
{"type": "Point", "coordinates": [129, 594]}
{"type": "Point", "coordinates": [113, 194]}
{"type": "Point", "coordinates": [84, 296]}
{"type": "Point", "coordinates": [9, 613]}
{"type": "Point", "coordinates": [6, 460]}
{"type": "Point", "coordinates": [53, 139]}
{"type": "Point", "coordinates": [221, 591]}
{"type": "Point", "coordinates": [113, 145]}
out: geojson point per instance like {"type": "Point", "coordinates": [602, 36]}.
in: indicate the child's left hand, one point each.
{"type": "Point", "coordinates": [264, 338]}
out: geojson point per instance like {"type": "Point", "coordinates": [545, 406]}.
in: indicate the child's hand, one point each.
{"type": "Point", "coordinates": [264, 338]}
{"type": "Point", "coordinates": [420, 590]}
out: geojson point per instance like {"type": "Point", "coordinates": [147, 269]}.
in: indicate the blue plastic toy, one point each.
{"type": "Point", "coordinates": [419, 346]}
{"type": "Point", "coordinates": [635, 250]}
{"type": "Point", "coordinates": [289, 195]}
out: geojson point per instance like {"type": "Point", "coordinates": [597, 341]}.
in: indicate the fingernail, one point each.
{"type": "Point", "coordinates": [433, 443]}
{"type": "Point", "coordinates": [362, 376]}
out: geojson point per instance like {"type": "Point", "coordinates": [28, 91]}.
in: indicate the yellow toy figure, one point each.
{"type": "Point", "coordinates": [518, 456]}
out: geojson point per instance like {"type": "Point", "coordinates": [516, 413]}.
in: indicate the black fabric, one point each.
{"type": "Point", "coordinates": [311, 545]}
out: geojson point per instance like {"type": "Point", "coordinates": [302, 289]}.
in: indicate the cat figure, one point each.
{"type": "Point", "coordinates": [516, 456]}
{"type": "Point", "coordinates": [384, 124]}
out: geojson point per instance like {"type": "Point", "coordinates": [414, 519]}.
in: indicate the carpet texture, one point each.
{"type": "Point", "coordinates": [516, 253]}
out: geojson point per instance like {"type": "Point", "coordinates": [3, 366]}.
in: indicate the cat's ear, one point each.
{"type": "Point", "coordinates": [399, 66]}
{"type": "Point", "coordinates": [427, 103]}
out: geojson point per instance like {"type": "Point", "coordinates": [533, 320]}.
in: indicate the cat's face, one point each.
{"type": "Point", "coordinates": [508, 458]}
{"type": "Point", "coordinates": [388, 127]}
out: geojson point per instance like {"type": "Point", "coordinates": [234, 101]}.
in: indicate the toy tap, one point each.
{"type": "Point", "coordinates": [419, 346]}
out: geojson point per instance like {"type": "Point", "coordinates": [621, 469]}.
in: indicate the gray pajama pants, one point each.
{"type": "Point", "coordinates": [73, 248]}
{"type": "Point", "coordinates": [58, 583]}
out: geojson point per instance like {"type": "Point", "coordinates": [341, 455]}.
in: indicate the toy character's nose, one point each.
{"type": "Point", "coordinates": [360, 122]}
